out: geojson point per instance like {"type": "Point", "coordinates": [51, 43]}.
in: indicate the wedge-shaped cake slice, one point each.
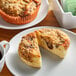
{"type": "Point", "coordinates": [53, 40]}
{"type": "Point", "coordinates": [29, 50]}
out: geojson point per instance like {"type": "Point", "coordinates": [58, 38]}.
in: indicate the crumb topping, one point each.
{"type": "Point", "coordinates": [19, 7]}
{"type": "Point", "coordinates": [29, 47]}
{"type": "Point", "coordinates": [54, 38]}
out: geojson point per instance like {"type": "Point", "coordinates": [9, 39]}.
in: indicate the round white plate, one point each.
{"type": "Point", "coordinates": [51, 65]}
{"type": "Point", "coordinates": [41, 15]}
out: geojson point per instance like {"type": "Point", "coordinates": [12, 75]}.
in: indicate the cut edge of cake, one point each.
{"type": "Point", "coordinates": [55, 48]}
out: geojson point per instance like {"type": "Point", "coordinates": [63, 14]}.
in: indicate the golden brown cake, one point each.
{"type": "Point", "coordinates": [29, 50]}
{"type": "Point", "coordinates": [54, 41]}
{"type": "Point", "coordinates": [19, 11]}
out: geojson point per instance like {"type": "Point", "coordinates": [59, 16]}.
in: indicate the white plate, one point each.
{"type": "Point", "coordinates": [41, 15]}
{"type": "Point", "coordinates": [51, 65]}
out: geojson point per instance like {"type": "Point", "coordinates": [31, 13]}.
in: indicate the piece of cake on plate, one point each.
{"type": "Point", "coordinates": [29, 50]}
{"type": "Point", "coordinates": [53, 40]}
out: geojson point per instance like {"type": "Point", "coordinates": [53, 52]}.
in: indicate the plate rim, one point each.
{"type": "Point", "coordinates": [17, 28]}
{"type": "Point", "coordinates": [33, 29]}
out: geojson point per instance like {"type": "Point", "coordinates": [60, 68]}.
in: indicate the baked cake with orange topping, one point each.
{"type": "Point", "coordinates": [53, 40]}
{"type": "Point", "coordinates": [19, 11]}
{"type": "Point", "coordinates": [29, 50]}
